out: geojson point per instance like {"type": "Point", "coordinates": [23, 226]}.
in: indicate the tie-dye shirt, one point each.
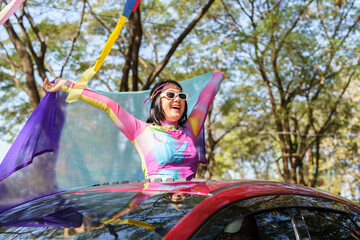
{"type": "Point", "coordinates": [167, 150]}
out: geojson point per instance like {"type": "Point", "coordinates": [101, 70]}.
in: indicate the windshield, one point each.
{"type": "Point", "coordinates": [110, 215]}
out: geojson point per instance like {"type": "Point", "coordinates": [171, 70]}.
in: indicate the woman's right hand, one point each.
{"type": "Point", "coordinates": [53, 87]}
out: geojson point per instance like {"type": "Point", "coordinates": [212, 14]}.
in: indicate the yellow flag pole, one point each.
{"type": "Point", "coordinates": [110, 42]}
{"type": "Point", "coordinates": [89, 73]}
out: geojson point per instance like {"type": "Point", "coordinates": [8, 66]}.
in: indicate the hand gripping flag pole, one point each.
{"type": "Point", "coordinates": [130, 6]}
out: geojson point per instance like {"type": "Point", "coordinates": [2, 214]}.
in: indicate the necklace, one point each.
{"type": "Point", "coordinates": [167, 129]}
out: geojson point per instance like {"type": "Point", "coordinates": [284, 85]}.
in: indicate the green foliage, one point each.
{"type": "Point", "coordinates": [304, 56]}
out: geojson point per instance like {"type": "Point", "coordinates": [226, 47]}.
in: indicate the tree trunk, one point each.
{"type": "Point", "coordinates": [136, 35]}
{"type": "Point", "coordinates": [316, 167]}
{"type": "Point", "coordinates": [27, 65]}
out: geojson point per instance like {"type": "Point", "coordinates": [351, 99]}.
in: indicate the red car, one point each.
{"type": "Point", "coordinates": [185, 210]}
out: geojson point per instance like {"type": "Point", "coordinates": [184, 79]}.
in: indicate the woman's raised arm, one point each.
{"type": "Point", "coordinates": [124, 121]}
{"type": "Point", "coordinates": [197, 117]}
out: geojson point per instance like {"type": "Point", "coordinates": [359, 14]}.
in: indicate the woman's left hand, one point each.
{"type": "Point", "coordinates": [53, 87]}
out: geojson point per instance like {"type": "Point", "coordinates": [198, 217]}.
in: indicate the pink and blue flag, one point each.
{"type": "Point", "coordinates": [63, 146]}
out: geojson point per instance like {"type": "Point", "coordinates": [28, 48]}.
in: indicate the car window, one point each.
{"type": "Point", "coordinates": [326, 224]}
{"type": "Point", "coordinates": [273, 224]}
{"type": "Point", "coordinates": [237, 222]}
{"type": "Point", "coordinates": [306, 201]}
{"type": "Point", "coordinates": [102, 215]}
{"type": "Point", "coordinates": [282, 217]}
{"type": "Point", "coordinates": [356, 218]}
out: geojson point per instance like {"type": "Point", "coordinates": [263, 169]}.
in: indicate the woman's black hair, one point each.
{"type": "Point", "coordinates": [156, 112]}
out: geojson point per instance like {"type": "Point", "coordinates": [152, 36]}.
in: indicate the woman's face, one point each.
{"type": "Point", "coordinates": [179, 197]}
{"type": "Point", "coordinates": [174, 108]}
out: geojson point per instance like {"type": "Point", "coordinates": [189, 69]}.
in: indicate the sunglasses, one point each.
{"type": "Point", "coordinates": [172, 95]}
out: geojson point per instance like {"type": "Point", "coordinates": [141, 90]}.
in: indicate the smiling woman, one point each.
{"type": "Point", "coordinates": [167, 104]}
{"type": "Point", "coordinates": [166, 141]}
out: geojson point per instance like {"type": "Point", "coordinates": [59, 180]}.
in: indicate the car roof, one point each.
{"type": "Point", "coordinates": [226, 189]}
{"type": "Point", "coordinates": [195, 186]}
{"type": "Point", "coordinates": [213, 195]}
{"type": "Point", "coordinates": [248, 188]}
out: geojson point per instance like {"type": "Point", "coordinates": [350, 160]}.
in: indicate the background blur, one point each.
{"type": "Point", "coordinates": [288, 110]}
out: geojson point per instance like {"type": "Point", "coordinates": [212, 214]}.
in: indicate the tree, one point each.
{"type": "Point", "coordinates": [341, 152]}
{"type": "Point", "coordinates": [302, 54]}
{"type": "Point", "coordinates": [23, 60]}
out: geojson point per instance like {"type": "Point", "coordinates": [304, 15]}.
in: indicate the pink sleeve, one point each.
{"type": "Point", "coordinates": [198, 115]}
{"type": "Point", "coordinates": [127, 123]}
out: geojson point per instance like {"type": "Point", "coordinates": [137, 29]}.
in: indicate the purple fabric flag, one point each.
{"type": "Point", "coordinates": [35, 138]}
{"type": "Point", "coordinates": [33, 153]}
{"type": "Point", "coordinates": [68, 217]}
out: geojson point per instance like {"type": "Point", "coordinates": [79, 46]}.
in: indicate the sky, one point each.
{"type": "Point", "coordinates": [4, 147]}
